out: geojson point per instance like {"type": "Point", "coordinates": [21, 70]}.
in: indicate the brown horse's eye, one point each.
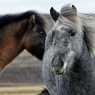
{"type": "Point", "coordinates": [41, 32]}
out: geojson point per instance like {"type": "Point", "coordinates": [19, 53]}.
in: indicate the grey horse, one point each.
{"type": "Point", "coordinates": [68, 67]}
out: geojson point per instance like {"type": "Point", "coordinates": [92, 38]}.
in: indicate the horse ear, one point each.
{"type": "Point", "coordinates": [69, 11]}
{"type": "Point", "coordinates": [54, 14]}
{"type": "Point", "coordinates": [32, 19]}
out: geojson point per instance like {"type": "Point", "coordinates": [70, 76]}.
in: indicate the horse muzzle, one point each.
{"type": "Point", "coordinates": [63, 64]}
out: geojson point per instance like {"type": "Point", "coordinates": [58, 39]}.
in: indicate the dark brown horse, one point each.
{"type": "Point", "coordinates": [19, 32]}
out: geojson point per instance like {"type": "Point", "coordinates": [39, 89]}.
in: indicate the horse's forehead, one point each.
{"type": "Point", "coordinates": [64, 22]}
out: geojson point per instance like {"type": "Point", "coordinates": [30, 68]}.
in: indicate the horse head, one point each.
{"type": "Point", "coordinates": [34, 37]}
{"type": "Point", "coordinates": [65, 40]}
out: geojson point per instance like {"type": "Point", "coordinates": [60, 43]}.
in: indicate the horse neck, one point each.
{"type": "Point", "coordinates": [83, 65]}
{"type": "Point", "coordinates": [85, 57]}
{"type": "Point", "coordinates": [80, 79]}
{"type": "Point", "coordinates": [11, 43]}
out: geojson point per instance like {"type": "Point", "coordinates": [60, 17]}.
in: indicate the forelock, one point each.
{"type": "Point", "coordinates": [65, 22]}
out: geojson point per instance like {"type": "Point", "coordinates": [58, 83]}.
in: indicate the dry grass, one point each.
{"type": "Point", "coordinates": [24, 69]}
{"type": "Point", "coordinates": [21, 90]}
{"type": "Point", "coordinates": [17, 77]}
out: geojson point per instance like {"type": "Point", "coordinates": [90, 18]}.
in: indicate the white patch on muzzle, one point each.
{"type": "Point", "coordinates": [68, 62]}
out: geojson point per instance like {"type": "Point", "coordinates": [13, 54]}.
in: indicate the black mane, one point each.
{"type": "Point", "coordinates": [10, 18]}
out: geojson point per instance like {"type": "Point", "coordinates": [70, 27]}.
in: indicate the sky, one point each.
{"type": "Point", "coordinates": [16, 6]}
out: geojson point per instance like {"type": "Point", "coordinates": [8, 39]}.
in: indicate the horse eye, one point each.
{"type": "Point", "coordinates": [71, 32]}
{"type": "Point", "coordinates": [41, 32]}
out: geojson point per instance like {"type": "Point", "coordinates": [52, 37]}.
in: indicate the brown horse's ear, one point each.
{"type": "Point", "coordinates": [32, 19]}
{"type": "Point", "coordinates": [54, 14]}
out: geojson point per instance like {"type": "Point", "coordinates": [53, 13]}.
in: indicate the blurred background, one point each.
{"type": "Point", "coordinates": [25, 69]}
{"type": "Point", "coordinates": [13, 6]}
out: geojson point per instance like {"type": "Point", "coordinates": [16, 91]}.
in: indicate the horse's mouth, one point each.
{"type": "Point", "coordinates": [57, 64]}
{"type": "Point", "coordinates": [63, 65]}
{"type": "Point", "coordinates": [58, 71]}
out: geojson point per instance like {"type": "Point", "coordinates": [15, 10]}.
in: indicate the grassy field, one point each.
{"type": "Point", "coordinates": [23, 69]}
{"type": "Point", "coordinates": [21, 90]}
{"type": "Point", "coordinates": [22, 76]}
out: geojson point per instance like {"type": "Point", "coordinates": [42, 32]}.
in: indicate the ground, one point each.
{"type": "Point", "coordinates": [22, 76]}
{"type": "Point", "coordinates": [21, 90]}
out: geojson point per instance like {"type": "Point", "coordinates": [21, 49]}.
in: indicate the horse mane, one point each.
{"type": "Point", "coordinates": [10, 18]}
{"type": "Point", "coordinates": [86, 39]}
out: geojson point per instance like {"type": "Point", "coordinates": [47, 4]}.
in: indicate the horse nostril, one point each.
{"type": "Point", "coordinates": [61, 62]}
{"type": "Point", "coordinates": [57, 64]}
